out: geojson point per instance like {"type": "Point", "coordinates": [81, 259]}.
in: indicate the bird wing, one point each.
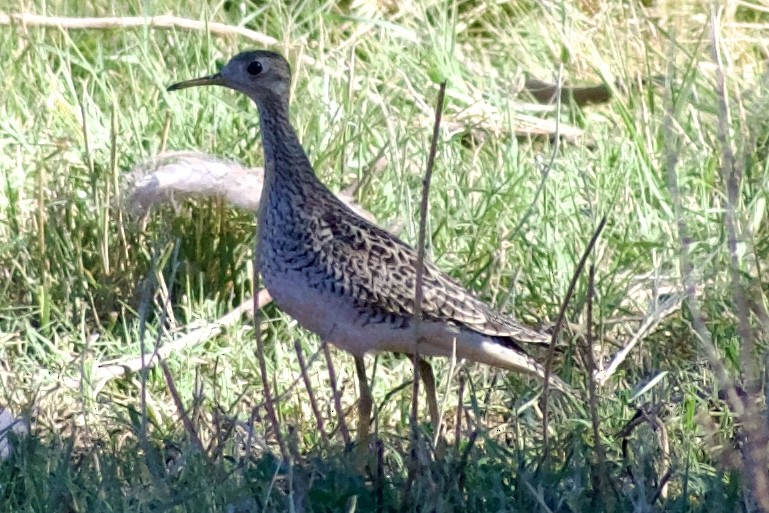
{"type": "Point", "coordinates": [380, 272]}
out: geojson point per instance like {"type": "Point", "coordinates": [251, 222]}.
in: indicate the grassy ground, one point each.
{"type": "Point", "coordinates": [82, 284]}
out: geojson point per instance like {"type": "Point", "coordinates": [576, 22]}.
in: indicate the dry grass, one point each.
{"type": "Point", "coordinates": [676, 162]}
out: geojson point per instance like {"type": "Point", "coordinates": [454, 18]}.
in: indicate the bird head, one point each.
{"type": "Point", "coordinates": [262, 75]}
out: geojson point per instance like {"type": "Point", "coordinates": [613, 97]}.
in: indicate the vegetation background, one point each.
{"type": "Point", "coordinates": [676, 161]}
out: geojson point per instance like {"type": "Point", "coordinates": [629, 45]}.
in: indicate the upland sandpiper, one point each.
{"type": "Point", "coordinates": [346, 279]}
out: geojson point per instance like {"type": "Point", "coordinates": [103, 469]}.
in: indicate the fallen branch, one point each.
{"type": "Point", "coordinates": [108, 371]}
{"type": "Point", "coordinates": [175, 175]}
{"type": "Point", "coordinates": [650, 322]}
{"type": "Point", "coordinates": [163, 21]}
{"type": "Point", "coordinates": [546, 92]}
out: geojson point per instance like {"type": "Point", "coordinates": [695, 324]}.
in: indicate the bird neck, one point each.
{"type": "Point", "coordinates": [291, 191]}
{"type": "Point", "coordinates": [284, 157]}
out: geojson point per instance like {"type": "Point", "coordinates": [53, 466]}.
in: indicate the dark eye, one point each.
{"type": "Point", "coordinates": [254, 68]}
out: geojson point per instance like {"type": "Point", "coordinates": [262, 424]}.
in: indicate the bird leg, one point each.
{"type": "Point", "coordinates": [428, 378]}
{"type": "Point", "coordinates": [365, 403]}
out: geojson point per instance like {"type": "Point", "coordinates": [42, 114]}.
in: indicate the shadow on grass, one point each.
{"type": "Point", "coordinates": [71, 471]}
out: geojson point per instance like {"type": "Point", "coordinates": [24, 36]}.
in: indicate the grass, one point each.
{"type": "Point", "coordinates": [79, 278]}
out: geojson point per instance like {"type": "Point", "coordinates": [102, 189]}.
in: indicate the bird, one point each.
{"type": "Point", "coordinates": [343, 277]}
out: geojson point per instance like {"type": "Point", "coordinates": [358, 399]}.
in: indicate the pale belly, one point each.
{"type": "Point", "coordinates": [336, 320]}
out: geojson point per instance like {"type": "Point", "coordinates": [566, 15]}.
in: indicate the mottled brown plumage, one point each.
{"type": "Point", "coordinates": [343, 277]}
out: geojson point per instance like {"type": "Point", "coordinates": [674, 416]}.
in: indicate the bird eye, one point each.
{"type": "Point", "coordinates": [254, 68]}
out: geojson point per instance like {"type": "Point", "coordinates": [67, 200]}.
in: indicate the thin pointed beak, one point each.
{"type": "Point", "coordinates": [215, 79]}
